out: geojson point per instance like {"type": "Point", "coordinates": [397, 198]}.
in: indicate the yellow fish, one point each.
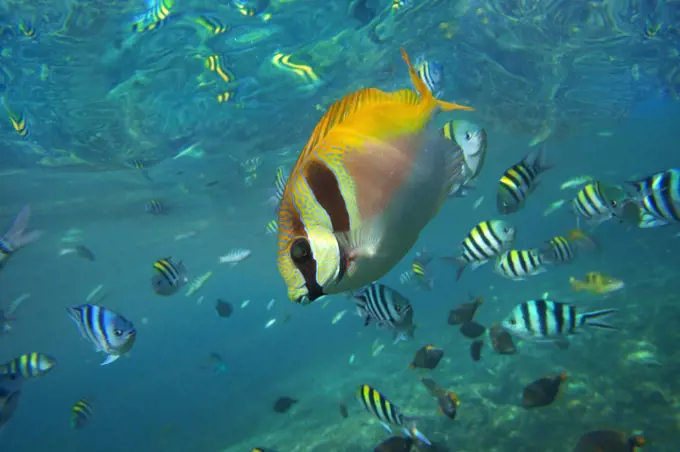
{"type": "Point", "coordinates": [367, 182]}
{"type": "Point", "coordinates": [597, 283]}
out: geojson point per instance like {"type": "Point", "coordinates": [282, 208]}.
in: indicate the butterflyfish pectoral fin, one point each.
{"type": "Point", "coordinates": [109, 359]}
{"type": "Point", "coordinates": [361, 243]}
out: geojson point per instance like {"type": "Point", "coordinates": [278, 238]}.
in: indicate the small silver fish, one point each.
{"type": "Point", "coordinates": [235, 256]}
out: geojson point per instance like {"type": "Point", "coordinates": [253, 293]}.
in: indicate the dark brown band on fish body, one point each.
{"type": "Point", "coordinates": [326, 189]}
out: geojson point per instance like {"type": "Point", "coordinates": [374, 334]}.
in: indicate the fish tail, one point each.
{"type": "Point", "coordinates": [586, 318]}
{"type": "Point", "coordinates": [583, 240]}
{"type": "Point", "coordinates": [575, 284]}
{"type": "Point", "coordinates": [19, 225]}
{"type": "Point", "coordinates": [458, 262]}
{"type": "Point", "coordinates": [426, 95]}
{"type": "Point", "coordinates": [647, 220]}
{"type": "Point", "coordinates": [537, 160]}
{"type": "Point", "coordinates": [411, 431]}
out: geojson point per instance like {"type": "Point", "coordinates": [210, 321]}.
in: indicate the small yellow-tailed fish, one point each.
{"type": "Point", "coordinates": [362, 189]}
{"type": "Point", "coordinates": [18, 121]}
{"type": "Point", "coordinates": [597, 283]}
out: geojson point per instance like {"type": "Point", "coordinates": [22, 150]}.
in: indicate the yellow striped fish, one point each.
{"type": "Point", "coordinates": [362, 189]}
{"type": "Point", "coordinates": [214, 63]}
{"type": "Point", "coordinates": [154, 17]}
{"type": "Point", "coordinates": [519, 181]}
{"type": "Point", "coordinates": [484, 242]}
{"type": "Point", "coordinates": [81, 412]}
{"type": "Point", "coordinates": [387, 413]}
{"type": "Point", "coordinates": [30, 365]}
{"type": "Point", "coordinates": [212, 25]}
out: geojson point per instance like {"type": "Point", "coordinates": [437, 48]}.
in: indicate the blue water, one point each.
{"type": "Point", "coordinates": [164, 395]}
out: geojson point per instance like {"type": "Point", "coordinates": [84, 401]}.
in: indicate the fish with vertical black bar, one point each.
{"type": "Point", "coordinates": [387, 413]}
{"type": "Point", "coordinates": [519, 181]}
{"type": "Point", "coordinates": [545, 320]}
{"type": "Point", "coordinates": [108, 331]}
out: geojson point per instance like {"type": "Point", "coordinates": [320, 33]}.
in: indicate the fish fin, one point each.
{"type": "Point", "coordinates": [455, 170]}
{"type": "Point", "coordinates": [536, 160]}
{"type": "Point", "coordinates": [427, 97]}
{"type": "Point", "coordinates": [586, 318]}
{"type": "Point", "coordinates": [411, 431]}
{"type": "Point", "coordinates": [647, 220]}
{"type": "Point", "coordinates": [109, 359]}
{"type": "Point", "coordinates": [386, 427]}
{"type": "Point", "coordinates": [19, 224]}
{"type": "Point", "coordinates": [400, 337]}
{"type": "Point", "coordinates": [363, 242]}
{"type": "Point", "coordinates": [348, 105]}
{"type": "Point", "coordinates": [576, 285]}
{"type": "Point", "coordinates": [15, 234]}
{"type": "Point", "coordinates": [476, 265]}
{"type": "Point", "coordinates": [459, 262]}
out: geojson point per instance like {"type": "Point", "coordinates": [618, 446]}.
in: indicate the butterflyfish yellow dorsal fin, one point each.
{"type": "Point", "coordinates": [352, 103]}
{"type": "Point", "coordinates": [428, 99]}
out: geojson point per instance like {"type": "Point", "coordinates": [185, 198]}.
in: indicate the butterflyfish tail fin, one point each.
{"type": "Point", "coordinates": [424, 91]}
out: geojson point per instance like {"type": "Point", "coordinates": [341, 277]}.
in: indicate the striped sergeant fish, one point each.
{"type": "Point", "coordinates": [431, 73]}
{"type": "Point", "coordinates": [81, 412]}
{"type": "Point", "coordinates": [518, 264]}
{"type": "Point", "coordinates": [29, 365]}
{"type": "Point", "coordinates": [16, 236]}
{"type": "Point", "coordinates": [155, 207]}
{"type": "Point", "coordinates": [597, 202]}
{"type": "Point", "coordinates": [279, 183]}
{"type": "Point", "coordinates": [484, 242]}
{"type": "Point", "coordinates": [387, 308]}
{"type": "Point", "coordinates": [154, 17]}
{"type": "Point", "coordinates": [562, 250]}
{"type": "Point", "coordinates": [519, 181]}
{"type": "Point", "coordinates": [657, 200]}
{"type": "Point", "coordinates": [549, 320]}
{"type": "Point", "coordinates": [363, 188]}
{"type": "Point", "coordinates": [109, 332]}
{"type": "Point", "coordinates": [168, 276]}
{"type": "Point", "coordinates": [387, 413]}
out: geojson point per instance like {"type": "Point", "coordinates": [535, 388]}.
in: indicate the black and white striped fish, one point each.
{"type": "Point", "coordinates": [563, 249]}
{"type": "Point", "coordinates": [279, 183]}
{"type": "Point", "coordinates": [387, 413]}
{"type": "Point", "coordinates": [109, 332]}
{"type": "Point", "coordinates": [519, 181]}
{"type": "Point", "coordinates": [518, 264]}
{"type": "Point", "coordinates": [549, 320]}
{"type": "Point", "coordinates": [387, 308]}
{"type": "Point", "coordinates": [484, 242]}
{"type": "Point", "coordinates": [658, 199]}
{"type": "Point", "coordinates": [597, 202]}
{"type": "Point", "coordinates": [155, 207]}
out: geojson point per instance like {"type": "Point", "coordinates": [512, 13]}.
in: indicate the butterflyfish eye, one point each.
{"type": "Point", "coordinates": [468, 136]}
{"type": "Point", "coordinates": [513, 321]}
{"type": "Point", "coordinates": [300, 251]}
{"type": "Point", "coordinates": [614, 203]}
{"type": "Point", "coordinates": [118, 333]}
